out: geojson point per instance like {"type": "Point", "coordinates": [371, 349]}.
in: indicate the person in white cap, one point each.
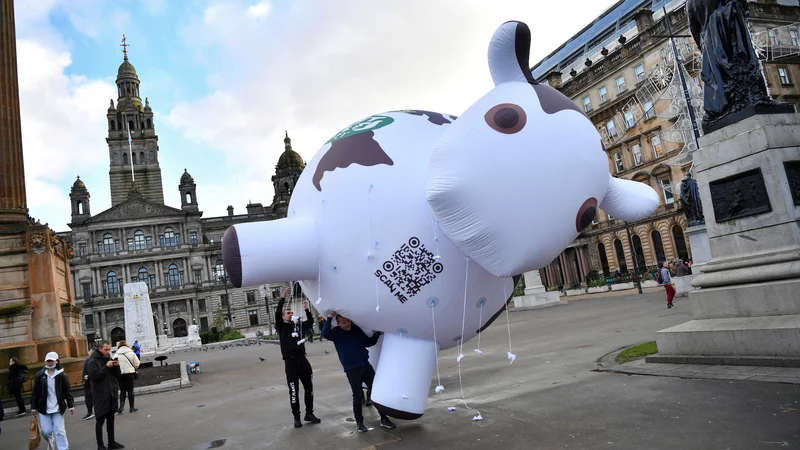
{"type": "Point", "coordinates": [51, 398]}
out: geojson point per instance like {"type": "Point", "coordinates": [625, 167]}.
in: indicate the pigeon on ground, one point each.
{"type": "Point", "coordinates": [326, 351]}
{"type": "Point", "coordinates": [262, 359]}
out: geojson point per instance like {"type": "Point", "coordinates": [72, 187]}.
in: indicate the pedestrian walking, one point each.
{"type": "Point", "coordinates": [128, 365]}
{"type": "Point", "coordinates": [50, 399]}
{"type": "Point", "coordinates": [104, 374]}
{"type": "Point", "coordinates": [298, 369]}
{"type": "Point", "coordinates": [665, 279]}
{"type": "Point", "coordinates": [351, 344]}
{"type": "Point", "coordinates": [87, 390]}
{"type": "Point", "coordinates": [17, 374]}
{"type": "Point", "coordinates": [321, 325]}
{"type": "Point", "coordinates": [137, 349]}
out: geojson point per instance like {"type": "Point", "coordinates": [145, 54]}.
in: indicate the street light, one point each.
{"type": "Point", "coordinates": [635, 262]}
{"type": "Point", "coordinates": [98, 340]}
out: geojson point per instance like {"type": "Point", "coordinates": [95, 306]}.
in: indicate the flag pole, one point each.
{"type": "Point", "coordinates": [130, 149]}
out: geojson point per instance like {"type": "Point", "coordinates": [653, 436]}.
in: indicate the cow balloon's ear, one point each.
{"type": "Point", "coordinates": [629, 200]}
{"type": "Point", "coordinates": [509, 52]}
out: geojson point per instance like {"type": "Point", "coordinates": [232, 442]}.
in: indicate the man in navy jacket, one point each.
{"type": "Point", "coordinates": [351, 344]}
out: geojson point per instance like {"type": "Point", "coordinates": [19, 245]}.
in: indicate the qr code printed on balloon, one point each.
{"type": "Point", "coordinates": [410, 268]}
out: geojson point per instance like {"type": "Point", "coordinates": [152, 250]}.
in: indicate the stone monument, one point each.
{"type": "Point", "coordinates": [37, 303]}
{"type": "Point", "coordinates": [194, 336]}
{"type": "Point", "coordinates": [536, 296]}
{"type": "Point", "coordinates": [139, 324]}
{"type": "Point", "coordinates": [747, 306]}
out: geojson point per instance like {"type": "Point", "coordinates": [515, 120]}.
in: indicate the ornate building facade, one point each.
{"type": "Point", "coordinates": [624, 71]}
{"type": "Point", "coordinates": [176, 252]}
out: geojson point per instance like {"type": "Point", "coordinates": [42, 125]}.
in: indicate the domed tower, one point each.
{"type": "Point", "coordinates": [132, 140]}
{"type": "Point", "coordinates": [188, 191]}
{"type": "Point", "coordinates": [79, 197]}
{"type": "Point", "coordinates": [287, 171]}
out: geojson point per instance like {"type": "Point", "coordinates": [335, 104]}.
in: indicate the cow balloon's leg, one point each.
{"type": "Point", "coordinates": [403, 377]}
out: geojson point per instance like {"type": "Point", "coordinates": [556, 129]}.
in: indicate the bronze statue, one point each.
{"type": "Point", "coordinates": [734, 87]}
{"type": "Point", "coordinates": [690, 196]}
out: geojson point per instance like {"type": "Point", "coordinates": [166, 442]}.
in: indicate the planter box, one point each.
{"type": "Point", "coordinates": [572, 292]}
{"type": "Point", "coordinates": [622, 286]}
{"type": "Point", "coordinates": [597, 290]}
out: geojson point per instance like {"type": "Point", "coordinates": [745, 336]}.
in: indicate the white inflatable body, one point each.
{"type": "Point", "coordinates": [409, 211]}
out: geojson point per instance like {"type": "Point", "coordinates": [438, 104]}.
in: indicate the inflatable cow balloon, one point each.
{"type": "Point", "coordinates": [409, 215]}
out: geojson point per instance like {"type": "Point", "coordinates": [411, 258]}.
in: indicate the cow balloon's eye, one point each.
{"type": "Point", "coordinates": [506, 118]}
{"type": "Point", "coordinates": [586, 214]}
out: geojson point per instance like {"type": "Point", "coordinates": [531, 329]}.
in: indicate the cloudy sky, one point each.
{"type": "Point", "coordinates": [226, 78]}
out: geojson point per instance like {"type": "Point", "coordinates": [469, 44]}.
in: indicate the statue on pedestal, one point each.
{"type": "Point", "coordinates": [690, 196]}
{"type": "Point", "coordinates": [734, 85]}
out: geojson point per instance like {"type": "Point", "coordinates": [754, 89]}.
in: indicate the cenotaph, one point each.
{"type": "Point", "coordinates": [535, 295]}
{"type": "Point", "coordinates": [139, 324]}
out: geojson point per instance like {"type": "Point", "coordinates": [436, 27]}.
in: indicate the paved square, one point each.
{"type": "Point", "coordinates": [549, 398]}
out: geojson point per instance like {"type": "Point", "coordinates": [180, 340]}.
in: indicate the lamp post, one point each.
{"type": "Point", "coordinates": [265, 292]}
{"type": "Point", "coordinates": [98, 340]}
{"type": "Point", "coordinates": [635, 262]}
{"type": "Point", "coordinates": [166, 329]}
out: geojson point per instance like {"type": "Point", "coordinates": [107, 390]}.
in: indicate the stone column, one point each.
{"type": "Point", "coordinates": [105, 330]}
{"type": "Point", "coordinates": [13, 201]}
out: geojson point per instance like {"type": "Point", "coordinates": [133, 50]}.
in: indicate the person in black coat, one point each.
{"type": "Point", "coordinates": [298, 369]}
{"type": "Point", "coordinates": [16, 375]}
{"type": "Point", "coordinates": [104, 375]}
{"type": "Point", "coordinates": [87, 390]}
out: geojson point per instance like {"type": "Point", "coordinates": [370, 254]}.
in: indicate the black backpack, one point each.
{"type": "Point", "coordinates": [23, 376]}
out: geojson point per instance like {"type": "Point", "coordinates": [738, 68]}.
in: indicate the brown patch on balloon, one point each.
{"type": "Point", "coordinates": [586, 214]}
{"type": "Point", "coordinates": [506, 118]}
{"type": "Point", "coordinates": [433, 117]}
{"type": "Point", "coordinates": [361, 149]}
{"type": "Point", "coordinates": [553, 101]}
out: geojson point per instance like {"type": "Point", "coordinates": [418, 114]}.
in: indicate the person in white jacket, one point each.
{"type": "Point", "coordinates": [128, 364]}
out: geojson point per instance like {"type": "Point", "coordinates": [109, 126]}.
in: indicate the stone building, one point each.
{"type": "Point", "coordinates": [621, 71]}
{"type": "Point", "coordinates": [175, 251]}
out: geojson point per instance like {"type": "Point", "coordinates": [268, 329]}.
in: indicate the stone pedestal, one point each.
{"type": "Point", "coordinates": [701, 247]}
{"type": "Point", "coordinates": [747, 303]}
{"type": "Point", "coordinates": [536, 296]}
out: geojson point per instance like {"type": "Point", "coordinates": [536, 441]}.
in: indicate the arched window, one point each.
{"type": "Point", "coordinates": [143, 275]}
{"type": "Point", "coordinates": [623, 267]}
{"type": "Point", "coordinates": [637, 248]}
{"type": "Point", "coordinates": [133, 158]}
{"type": "Point", "coordinates": [112, 125]}
{"type": "Point", "coordinates": [173, 275]}
{"type": "Point", "coordinates": [141, 125]}
{"type": "Point", "coordinates": [169, 237]}
{"type": "Point", "coordinates": [149, 124]}
{"type": "Point", "coordinates": [108, 243]}
{"type": "Point", "coordinates": [138, 240]}
{"type": "Point", "coordinates": [124, 159]}
{"type": "Point", "coordinates": [141, 158]}
{"type": "Point", "coordinates": [219, 270]}
{"type": "Point", "coordinates": [112, 282]}
{"type": "Point", "coordinates": [601, 252]}
{"type": "Point", "coordinates": [680, 243]}
{"type": "Point", "coordinates": [80, 207]}
{"type": "Point", "coordinates": [189, 198]}
{"type": "Point", "coordinates": [658, 247]}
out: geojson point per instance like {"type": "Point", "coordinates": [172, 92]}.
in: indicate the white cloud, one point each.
{"type": "Point", "coordinates": [260, 10]}
{"type": "Point", "coordinates": [319, 66]}
{"type": "Point", "coordinates": [62, 132]}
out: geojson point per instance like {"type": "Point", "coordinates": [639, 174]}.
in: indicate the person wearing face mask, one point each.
{"type": "Point", "coordinates": [51, 398]}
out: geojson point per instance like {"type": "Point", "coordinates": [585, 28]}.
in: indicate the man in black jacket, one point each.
{"type": "Point", "coordinates": [16, 377]}
{"type": "Point", "coordinates": [104, 374]}
{"type": "Point", "coordinates": [298, 368]}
